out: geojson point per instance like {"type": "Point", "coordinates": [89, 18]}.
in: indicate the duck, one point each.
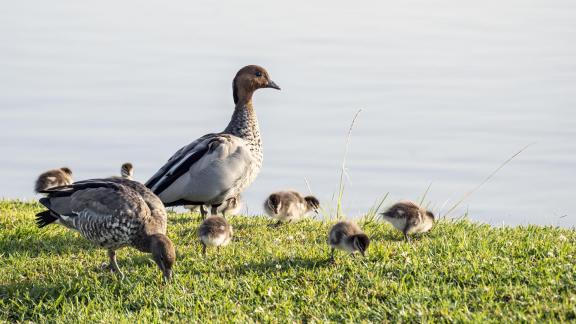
{"type": "Point", "coordinates": [112, 213]}
{"type": "Point", "coordinates": [127, 171]}
{"type": "Point", "coordinates": [347, 236]}
{"type": "Point", "coordinates": [218, 166]}
{"type": "Point", "coordinates": [53, 178]}
{"type": "Point", "coordinates": [214, 231]}
{"type": "Point", "coordinates": [231, 206]}
{"type": "Point", "coordinates": [287, 206]}
{"type": "Point", "coordinates": [409, 218]}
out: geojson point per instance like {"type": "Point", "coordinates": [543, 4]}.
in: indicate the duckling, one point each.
{"type": "Point", "coordinates": [408, 217]}
{"type": "Point", "coordinates": [347, 236]}
{"type": "Point", "coordinates": [112, 213]}
{"type": "Point", "coordinates": [214, 231]}
{"type": "Point", "coordinates": [231, 206]}
{"type": "Point", "coordinates": [53, 178]}
{"type": "Point", "coordinates": [127, 171]}
{"type": "Point", "coordinates": [287, 206]}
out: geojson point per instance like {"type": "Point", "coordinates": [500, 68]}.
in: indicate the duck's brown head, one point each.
{"type": "Point", "coordinates": [249, 79]}
{"type": "Point", "coordinates": [163, 253]}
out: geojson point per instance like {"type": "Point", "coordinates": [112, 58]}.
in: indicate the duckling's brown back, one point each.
{"type": "Point", "coordinates": [213, 225]}
{"type": "Point", "coordinates": [53, 178]}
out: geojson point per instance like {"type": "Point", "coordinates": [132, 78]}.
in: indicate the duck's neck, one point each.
{"type": "Point", "coordinates": [244, 124]}
{"type": "Point", "coordinates": [144, 243]}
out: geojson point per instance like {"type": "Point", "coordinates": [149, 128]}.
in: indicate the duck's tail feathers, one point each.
{"type": "Point", "coordinates": [44, 218]}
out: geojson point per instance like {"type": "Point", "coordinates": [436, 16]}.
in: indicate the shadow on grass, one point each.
{"type": "Point", "coordinates": [38, 245]}
{"type": "Point", "coordinates": [185, 220]}
{"type": "Point", "coordinates": [387, 236]}
{"type": "Point", "coordinates": [282, 265]}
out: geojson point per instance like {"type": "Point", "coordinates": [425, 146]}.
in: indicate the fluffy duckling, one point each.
{"type": "Point", "coordinates": [219, 165]}
{"type": "Point", "coordinates": [347, 236]}
{"type": "Point", "coordinates": [127, 171]}
{"type": "Point", "coordinates": [231, 206]}
{"type": "Point", "coordinates": [214, 231]}
{"type": "Point", "coordinates": [53, 178]}
{"type": "Point", "coordinates": [112, 213]}
{"type": "Point", "coordinates": [287, 206]}
{"type": "Point", "coordinates": [409, 218]}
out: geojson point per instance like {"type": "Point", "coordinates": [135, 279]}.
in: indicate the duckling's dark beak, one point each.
{"type": "Point", "coordinates": [363, 253]}
{"type": "Point", "coordinates": [273, 85]}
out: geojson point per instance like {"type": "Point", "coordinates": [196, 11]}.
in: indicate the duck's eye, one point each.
{"type": "Point", "coordinates": [258, 74]}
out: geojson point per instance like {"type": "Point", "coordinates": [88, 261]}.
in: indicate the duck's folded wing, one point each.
{"type": "Point", "coordinates": [214, 166]}
{"type": "Point", "coordinates": [96, 204]}
{"type": "Point", "coordinates": [190, 151]}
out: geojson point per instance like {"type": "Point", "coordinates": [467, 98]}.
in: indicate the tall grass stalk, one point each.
{"type": "Point", "coordinates": [372, 214]}
{"type": "Point", "coordinates": [469, 193]}
{"type": "Point", "coordinates": [341, 185]}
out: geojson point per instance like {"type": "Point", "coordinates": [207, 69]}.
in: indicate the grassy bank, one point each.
{"type": "Point", "coordinates": [460, 271]}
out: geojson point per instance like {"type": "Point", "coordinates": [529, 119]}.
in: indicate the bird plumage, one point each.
{"type": "Point", "coordinates": [53, 178]}
{"type": "Point", "coordinates": [214, 231]}
{"type": "Point", "coordinates": [127, 171]}
{"type": "Point", "coordinates": [112, 213]}
{"type": "Point", "coordinates": [218, 166]}
{"type": "Point", "coordinates": [409, 218]}
{"type": "Point", "coordinates": [231, 206]}
{"type": "Point", "coordinates": [347, 236]}
{"type": "Point", "coordinates": [288, 206]}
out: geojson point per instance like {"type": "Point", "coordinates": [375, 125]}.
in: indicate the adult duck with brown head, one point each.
{"type": "Point", "coordinates": [218, 166]}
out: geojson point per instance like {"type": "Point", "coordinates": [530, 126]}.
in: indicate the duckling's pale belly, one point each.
{"type": "Point", "coordinates": [215, 240]}
{"type": "Point", "coordinates": [345, 247]}
{"type": "Point", "coordinates": [421, 227]}
{"type": "Point", "coordinates": [398, 223]}
{"type": "Point", "coordinates": [291, 213]}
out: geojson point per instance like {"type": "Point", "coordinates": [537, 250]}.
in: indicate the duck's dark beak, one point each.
{"type": "Point", "coordinates": [273, 85]}
{"type": "Point", "coordinates": [363, 253]}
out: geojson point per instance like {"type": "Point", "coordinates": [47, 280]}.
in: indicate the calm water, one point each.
{"type": "Point", "coordinates": [448, 92]}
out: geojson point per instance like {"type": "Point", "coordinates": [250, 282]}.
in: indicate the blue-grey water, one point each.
{"type": "Point", "coordinates": [448, 91]}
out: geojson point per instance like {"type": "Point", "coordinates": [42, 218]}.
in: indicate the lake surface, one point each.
{"type": "Point", "coordinates": [448, 91]}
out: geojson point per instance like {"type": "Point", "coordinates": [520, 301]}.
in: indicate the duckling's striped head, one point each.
{"type": "Point", "coordinates": [430, 215]}
{"type": "Point", "coordinates": [360, 243]}
{"type": "Point", "coordinates": [312, 203]}
{"type": "Point", "coordinates": [249, 79]}
{"type": "Point", "coordinates": [127, 170]}
{"type": "Point", "coordinates": [273, 203]}
{"type": "Point", "coordinates": [66, 170]}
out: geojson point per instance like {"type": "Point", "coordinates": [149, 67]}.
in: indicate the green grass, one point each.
{"type": "Point", "coordinates": [461, 271]}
